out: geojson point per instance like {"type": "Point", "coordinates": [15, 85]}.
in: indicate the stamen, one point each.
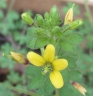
{"type": "Point", "coordinates": [47, 68]}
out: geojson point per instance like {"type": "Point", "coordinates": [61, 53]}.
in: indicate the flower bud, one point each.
{"type": "Point", "coordinates": [79, 87]}
{"type": "Point", "coordinates": [18, 58]}
{"type": "Point", "coordinates": [27, 18]}
{"type": "Point", "coordinates": [75, 24]}
{"type": "Point", "coordinates": [39, 18]}
{"type": "Point", "coordinates": [53, 10]}
{"type": "Point", "coordinates": [47, 16]}
{"type": "Point", "coordinates": [69, 16]}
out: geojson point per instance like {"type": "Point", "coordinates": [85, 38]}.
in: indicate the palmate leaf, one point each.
{"type": "Point", "coordinates": [75, 75]}
{"type": "Point", "coordinates": [36, 82]}
{"type": "Point", "coordinates": [48, 87]}
{"type": "Point", "coordinates": [36, 43]}
{"type": "Point", "coordinates": [74, 38]}
{"type": "Point", "coordinates": [67, 46]}
{"type": "Point", "coordinates": [32, 70]}
{"type": "Point", "coordinates": [69, 90]}
{"type": "Point", "coordinates": [31, 32]}
{"type": "Point", "coordinates": [71, 62]}
{"type": "Point", "coordinates": [66, 90]}
{"type": "Point", "coordinates": [66, 76]}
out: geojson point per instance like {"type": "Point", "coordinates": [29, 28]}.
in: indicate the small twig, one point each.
{"type": "Point", "coordinates": [11, 40]}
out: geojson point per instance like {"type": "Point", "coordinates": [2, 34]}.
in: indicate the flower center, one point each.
{"type": "Point", "coordinates": [47, 68]}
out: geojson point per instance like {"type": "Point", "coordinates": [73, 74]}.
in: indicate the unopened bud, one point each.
{"type": "Point", "coordinates": [75, 24]}
{"type": "Point", "coordinates": [79, 87]}
{"type": "Point", "coordinates": [53, 10]}
{"type": "Point", "coordinates": [27, 18]}
{"type": "Point", "coordinates": [39, 18]}
{"type": "Point", "coordinates": [69, 16]}
{"type": "Point", "coordinates": [19, 58]}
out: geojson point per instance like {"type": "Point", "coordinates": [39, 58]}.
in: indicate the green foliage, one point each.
{"type": "Point", "coordinates": [48, 87]}
{"type": "Point", "coordinates": [3, 4]}
{"type": "Point", "coordinates": [47, 29]}
{"type": "Point", "coordinates": [5, 92]}
{"type": "Point", "coordinates": [12, 38]}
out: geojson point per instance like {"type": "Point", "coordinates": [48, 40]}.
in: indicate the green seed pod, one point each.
{"type": "Point", "coordinates": [27, 18]}
{"type": "Point", "coordinates": [75, 24]}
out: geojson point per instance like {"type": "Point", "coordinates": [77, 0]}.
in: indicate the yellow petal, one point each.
{"type": "Point", "coordinates": [49, 53]}
{"type": "Point", "coordinates": [60, 64]}
{"type": "Point", "coordinates": [35, 59]}
{"type": "Point", "coordinates": [56, 79]}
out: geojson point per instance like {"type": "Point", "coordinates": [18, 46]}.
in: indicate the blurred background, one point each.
{"type": "Point", "coordinates": [13, 37]}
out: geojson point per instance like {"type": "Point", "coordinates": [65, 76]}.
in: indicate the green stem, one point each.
{"type": "Point", "coordinates": [65, 29]}
{"type": "Point", "coordinates": [19, 90]}
{"type": "Point", "coordinates": [57, 92]}
{"type": "Point", "coordinates": [35, 25]}
{"type": "Point", "coordinates": [42, 51]}
{"type": "Point", "coordinates": [88, 11]}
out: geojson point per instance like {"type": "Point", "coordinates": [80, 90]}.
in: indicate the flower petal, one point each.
{"type": "Point", "coordinates": [60, 64]}
{"type": "Point", "coordinates": [35, 59]}
{"type": "Point", "coordinates": [56, 79]}
{"type": "Point", "coordinates": [49, 53]}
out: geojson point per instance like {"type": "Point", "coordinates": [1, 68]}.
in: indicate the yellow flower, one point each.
{"type": "Point", "coordinates": [79, 87]}
{"type": "Point", "coordinates": [18, 58]}
{"type": "Point", "coordinates": [49, 65]}
{"type": "Point", "coordinates": [69, 16]}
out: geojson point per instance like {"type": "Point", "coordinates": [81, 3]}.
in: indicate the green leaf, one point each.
{"type": "Point", "coordinates": [66, 75]}
{"type": "Point", "coordinates": [48, 87]}
{"type": "Point", "coordinates": [69, 90]}
{"type": "Point", "coordinates": [67, 46]}
{"type": "Point", "coordinates": [36, 82]}
{"type": "Point", "coordinates": [40, 32]}
{"type": "Point", "coordinates": [74, 38]}
{"type": "Point", "coordinates": [14, 77]}
{"type": "Point", "coordinates": [36, 43]}
{"type": "Point", "coordinates": [3, 4]}
{"type": "Point", "coordinates": [71, 55]}
{"type": "Point", "coordinates": [75, 75]}
{"type": "Point", "coordinates": [71, 62]}
{"type": "Point", "coordinates": [31, 43]}
{"type": "Point", "coordinates": [14, 16]}
{"type": "Point", "coordinates": [31, 32]}
{"type": "Point", "coordinates": [40, 92]}
{"type": "Point", "coordinates": [41, 42]}
{"type": "Point", "coordinates": [66, 90]}
{"type": "Point", "coordinates": [5, 91]}
{"type": "Point", "coordinates": [56, 31]}
{"type": "Point", "coordinates": [32, 70]}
